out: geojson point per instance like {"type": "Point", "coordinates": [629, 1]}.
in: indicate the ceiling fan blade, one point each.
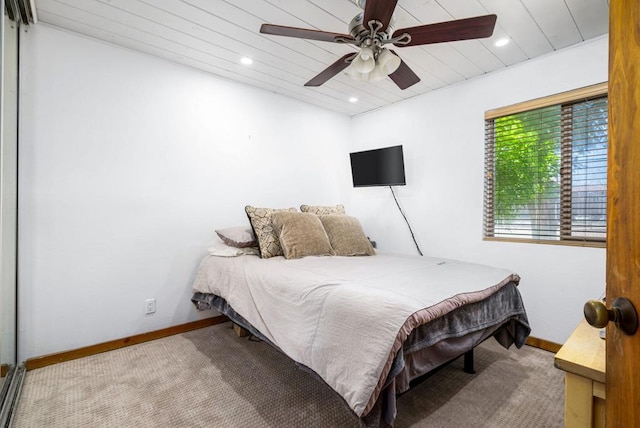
{"type": "Point", "coordinates": [330, 71]}
{"type": "Point", "coordinates": [304, 33]}
{"type": "Point", "coordinates": [478, 27]}
{"type": "Point", "coordinates": [379, 10]}
{"type": "Point", "coordinates": [404, 76]}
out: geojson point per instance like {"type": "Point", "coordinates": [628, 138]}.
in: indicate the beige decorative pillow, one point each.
{"type": "Point", "coordinates": [239, 236]}
{"type": "Point", "coordinates": [346, 236]}
{"type": "Point", "coordinates": [301, 234]}
{"type": "Point", "coordinates": [260, 219]}
{"type": "Point", "coordinates": [323, 210]}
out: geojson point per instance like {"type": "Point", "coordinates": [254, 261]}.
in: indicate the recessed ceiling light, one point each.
{"type": "Point", "coordinates": [501, 42]}
{"type": "Point", "coordinates": [246, 60]}
{"type": "Point", "coordinates": [353, 100]}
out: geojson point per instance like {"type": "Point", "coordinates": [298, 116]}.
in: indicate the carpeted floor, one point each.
{"type": "Point", "coordinates": [212, 378]}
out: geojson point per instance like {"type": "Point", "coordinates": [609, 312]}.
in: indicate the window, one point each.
{"type": "Point", "coordinates": [546, 169]}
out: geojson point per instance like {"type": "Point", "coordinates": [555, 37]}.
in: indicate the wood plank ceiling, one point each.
{"type": "Point", "coordinates": [213, 35]}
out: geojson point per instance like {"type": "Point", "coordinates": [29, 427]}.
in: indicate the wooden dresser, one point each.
{"type": "Point", "coordinates": [582, 358]}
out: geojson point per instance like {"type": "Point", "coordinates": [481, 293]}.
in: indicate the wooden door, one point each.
{"type": "Point", "coordinates": [623, 201]}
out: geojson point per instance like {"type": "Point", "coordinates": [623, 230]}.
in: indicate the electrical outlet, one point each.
{"type": "Point", "coordinates": [150, 306]}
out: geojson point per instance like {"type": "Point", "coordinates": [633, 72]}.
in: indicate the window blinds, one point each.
{"type": "Point", "coordinates": [545, 172]}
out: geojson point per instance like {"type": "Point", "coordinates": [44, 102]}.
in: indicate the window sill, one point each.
{"type": "Point", "coordinates": [566, 242]}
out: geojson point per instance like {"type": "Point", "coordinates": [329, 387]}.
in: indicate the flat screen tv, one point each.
{"type": "Point", "coordinates": [379, 167]}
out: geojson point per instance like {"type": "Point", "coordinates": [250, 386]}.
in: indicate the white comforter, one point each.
{"type": "Point", "coordinates": [341, 316]}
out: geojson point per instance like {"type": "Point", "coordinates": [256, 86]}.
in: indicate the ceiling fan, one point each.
{"type": "Point", "coordinates": [372, 30]}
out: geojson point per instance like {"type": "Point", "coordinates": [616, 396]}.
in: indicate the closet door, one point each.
{"type": "Point", "coordinates": [8, 190]}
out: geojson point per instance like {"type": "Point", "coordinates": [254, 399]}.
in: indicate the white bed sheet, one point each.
{"type": "Point", "coordinates": [340, 316]}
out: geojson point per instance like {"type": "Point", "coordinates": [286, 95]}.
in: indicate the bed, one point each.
{"type": "Point", "coordinates": [367, 326]}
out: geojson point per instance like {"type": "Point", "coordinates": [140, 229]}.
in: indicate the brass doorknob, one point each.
{"type": "Point", "coordinates": [621, 312]}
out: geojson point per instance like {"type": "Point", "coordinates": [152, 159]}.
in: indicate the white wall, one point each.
{"type": "Point", "coordinates": [127, 165]}
{"type": "Point", "coordinates": [443, 137]}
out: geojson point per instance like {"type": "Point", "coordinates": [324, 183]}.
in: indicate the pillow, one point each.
{"type": "Point", "coordinates": [301, 234]}
{"type": "Point", "coordinates": [346, 236]}
{"type": "Point", "coordinates": [223, 250]}
{"type": "Point", "coordinates": [260, 219]}
{"type": "Point", "coordinates": [322, 210]}
{"type": "Point", "coordinates": [239, 237]}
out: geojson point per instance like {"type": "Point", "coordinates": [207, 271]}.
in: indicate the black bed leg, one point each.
{"type": "Point", "coordinates": [468, 362]}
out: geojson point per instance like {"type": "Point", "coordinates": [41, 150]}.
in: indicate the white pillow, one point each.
{"type": "Point", "coordinates": [223, 250]}
{"type": "Point", "coordinates": [239, 236]}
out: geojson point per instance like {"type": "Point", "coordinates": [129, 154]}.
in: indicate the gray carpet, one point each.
{"type": "Point", "coordinates": [211, 378]}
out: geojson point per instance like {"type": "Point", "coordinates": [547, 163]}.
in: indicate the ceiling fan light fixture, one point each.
{"type": "Point", "coordinates": [366, 53]}
{"type": "Point", "coordinates": [356, 75]}
{"type": "Point", "coordinates": [364, 62]}
{"type": "Point", "coordinates": [377, 74]}
{"type": "Point", "coordinates": [388, 61]}
{"type": "Point", "coordinates": [370, 69]}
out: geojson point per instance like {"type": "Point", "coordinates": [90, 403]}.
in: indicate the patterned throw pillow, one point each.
{"type": "Point", "coordinates": [346, 236]}
{"type": "Point", "coordinates": [301, 235]}
{"type": "Point", "coordinates": [323, 210]}
{"type": "Point", "coordinates": [268, 241]}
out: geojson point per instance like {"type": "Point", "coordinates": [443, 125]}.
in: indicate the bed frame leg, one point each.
{"type": "Point", "coordinates": [240, 332]}
{"type": "Point", "coordinates": [468, 362]}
